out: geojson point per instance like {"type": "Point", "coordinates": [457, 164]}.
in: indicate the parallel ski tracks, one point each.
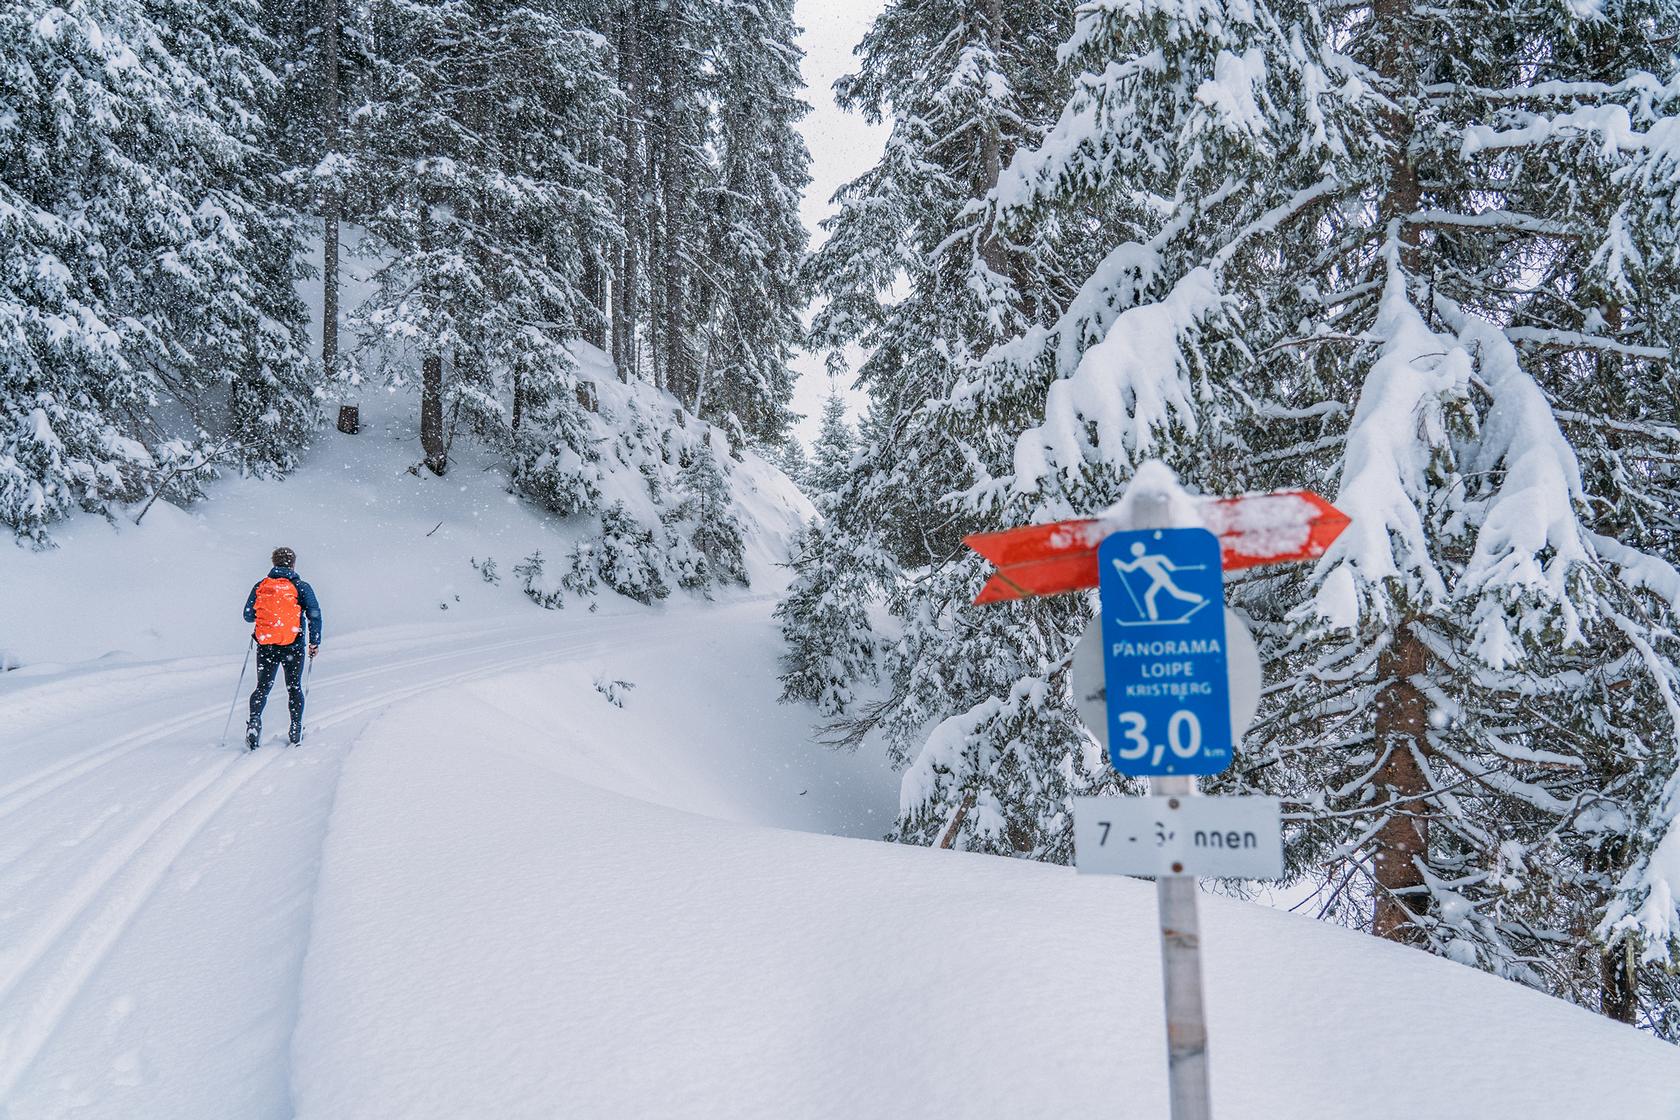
{"type": "Point", "coordinates": [20, 792]}
{"type": "Point", "coordinates": [44, 971]}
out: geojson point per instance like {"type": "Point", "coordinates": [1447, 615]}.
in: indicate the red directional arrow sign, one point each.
{"type": "Point", "coordinates": [1254, 529]}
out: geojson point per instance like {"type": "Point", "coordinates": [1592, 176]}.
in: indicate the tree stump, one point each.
{"type": "Point", "coordinates": [349, 419]}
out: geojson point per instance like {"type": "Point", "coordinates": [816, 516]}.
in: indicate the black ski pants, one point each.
{"type": "Point", "coordinates": [270, 660]}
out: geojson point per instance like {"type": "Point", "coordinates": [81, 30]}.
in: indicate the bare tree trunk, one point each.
{"type": "Point", "coordinates": [992, 251]}
{"type": "Point", "coordinates": [1618, 986]}
{"type": "Point", "coordinates": [678, 376]}
{"type": "Point", "coordinates": [1402, 843]}
{"type": "Point", "coordinates": [1618, 970]}
{"type": "Point", "coordinates": [334, 202]}
{"type": "Point", "coordinates": [594, 325]}
{"type": "Point", "coordinates": [630, 208]}
{"type": "Point", "coordinates": [431, 413]}
{"type": "Point", "coordinates": [1395, 61]}
{"type": "Point", "coordinates": [954, 826]}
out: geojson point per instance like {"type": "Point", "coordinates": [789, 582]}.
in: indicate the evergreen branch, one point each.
{"type": "Point", "coordinates": [1576, 340]}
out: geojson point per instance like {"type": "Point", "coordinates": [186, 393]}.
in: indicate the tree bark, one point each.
{"type": "Point", "coordinates": [1618, 986]}
{"type": "Point", "coordinates": [332, 209]}
{"type": "Point", "coordinates": [431, 413]}
{"type": "Point", "coordinates": [992, 249]}
{"type": "Point", "coordinates": [678, 377]}
{"type": "Point", "coordinates": [594, 325]}
{"type": "Point", "coordinates": [518, 403]}
{"type": "Point", "coordinates": [1395, 61]}
{"type": "Point", "coordinates": [1402, 843]}
{"type": "Point", "coordinates": [631, 205]}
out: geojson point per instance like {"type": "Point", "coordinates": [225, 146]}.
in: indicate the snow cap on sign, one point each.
{"type": "Point", "coordinates": [1154, 499]}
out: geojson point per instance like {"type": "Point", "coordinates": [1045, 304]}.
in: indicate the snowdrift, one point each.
{"type": "Point", "coordinates": [503, 928]}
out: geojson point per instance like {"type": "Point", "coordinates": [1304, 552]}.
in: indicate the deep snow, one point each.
{"type": "Point", "coordinates": [500, 932]}
{"type": "Point", "coordinates": [482, 889]}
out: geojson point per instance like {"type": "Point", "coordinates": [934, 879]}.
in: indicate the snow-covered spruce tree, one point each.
{"type": "Point", "coordinates": [478, 146]}
{"type": "Point", "coordinates": [831, 647]}
{"type": "Point", "coordinates": [250, 330]}
{"type": "Point", "coordinates": [705, 519]}
{"type": "Point", "coordinates": [143, 272]}
{"type": "Point", "coordinates": [1133, 191]}
{"type": "Point", "coordinates": [1345, 285]}
{"type": "Point", "coordinates": [704, 290]}
{"type": "Point", "coordinates": [324, 62]}
{"type": "Point", "coordinates": [788, 456]}
{"type": "Point", "coordinates": [830, 650]}
{"type": "Point", "coordinates": [1477, 707]}
{"type": "Point", "coordinates": [831, 454]}
{"type": "Point", "coordinates": [750, 288]}
{"type": "Point", "coordinates": [915, 271]}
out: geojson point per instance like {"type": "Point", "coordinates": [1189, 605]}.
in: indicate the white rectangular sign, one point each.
{"type": "Point", "coordinates": [1216, 837]}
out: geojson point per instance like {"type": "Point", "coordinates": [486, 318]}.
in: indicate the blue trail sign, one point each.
{"type": "Point", "coordinates": [1163, 627]}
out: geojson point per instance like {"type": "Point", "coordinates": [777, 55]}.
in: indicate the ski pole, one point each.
{"type": "Point", "coordinates": [237, 689]}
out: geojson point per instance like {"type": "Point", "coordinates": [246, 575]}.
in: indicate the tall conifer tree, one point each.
{"type": "Point", "coordinates": [1384, 270]}
{"type": "Point", "coordinates": [146, 262]}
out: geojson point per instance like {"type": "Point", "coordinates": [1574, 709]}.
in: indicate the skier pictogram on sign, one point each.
{"type": "Point", "coordinates": [1158, 569]}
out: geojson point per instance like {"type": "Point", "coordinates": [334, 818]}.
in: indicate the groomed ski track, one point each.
{"type": "Point", "coordinates": [129, 836]}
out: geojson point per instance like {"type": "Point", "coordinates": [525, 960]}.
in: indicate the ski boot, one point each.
{"type": "Point", "coordinates": [253, 735]}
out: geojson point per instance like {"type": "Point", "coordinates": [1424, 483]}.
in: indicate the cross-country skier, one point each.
{"type": "Point", "coordinates": [278, 605]}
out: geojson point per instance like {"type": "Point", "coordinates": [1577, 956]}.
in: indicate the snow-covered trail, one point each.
{"type": "Point", "coordinates": [156, 889]}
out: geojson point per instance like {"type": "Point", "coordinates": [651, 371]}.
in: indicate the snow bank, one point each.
{"type": "Point", "coordinates": [496, 934]}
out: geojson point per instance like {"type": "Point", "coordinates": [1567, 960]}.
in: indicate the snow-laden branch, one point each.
{"type": "Point", "coordinates": [1641, 569]}
{"type": "Point", "coordinates": [1639, 83]}
{"type": "Point", "coordinates": [1647, 901]}
{"type": "Point", "coordinates": [1532, 514]}
{"type": "Point", "coordinates": [1397, 425]}
{"type": "Point", "coordinates": [1549, 339]}
{"type": "Point", "coordinates": [1130, 389]}
{"type": "Point", "coordinates": [1494, 220]}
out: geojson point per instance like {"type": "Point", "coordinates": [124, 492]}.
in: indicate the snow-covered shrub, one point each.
{"type": "Point", "coordinates": [614, 690]}
{"type": "Point", "coordinates": [626, 558]}
{"type": "Point", "coordinates": [831, 649]}
{"type": "Point", "coordinates": [556, 460]}
{"type": "Point", "coordinates": [536, 585]}
{"type": "Point", "coordinates": [702, 519]}
{"type": "Point", "coordinates": [671, 520]}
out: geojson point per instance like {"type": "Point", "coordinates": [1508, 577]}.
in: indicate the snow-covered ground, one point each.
{"type": "Point", "coordinates": [481, 888]}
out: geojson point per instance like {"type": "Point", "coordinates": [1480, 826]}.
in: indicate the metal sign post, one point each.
{"type": "Point", "coordinates": [1181, 979]}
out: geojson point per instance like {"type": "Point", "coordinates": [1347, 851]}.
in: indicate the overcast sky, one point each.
{"type": "Point", "coordinates": [842, 148]}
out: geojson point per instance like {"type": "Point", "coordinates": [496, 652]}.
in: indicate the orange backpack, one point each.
{"type": "Point", "coordinates": [279, 618]}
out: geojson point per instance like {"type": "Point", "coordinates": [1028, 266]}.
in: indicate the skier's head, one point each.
{"type": "Point", "coordinates": [1137, 549]}
{"type": "Point", "coordinates": [283, 557]}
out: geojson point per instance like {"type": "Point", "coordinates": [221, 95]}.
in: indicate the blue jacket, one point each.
{"type": "Point", "coordinates": [306, 599]}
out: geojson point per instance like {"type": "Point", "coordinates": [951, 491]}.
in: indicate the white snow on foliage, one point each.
{"type": "Point", "coordinates": [1399, 420]}
{"type": "Point", "coordinates": [1235, 90]}
{"type": "Point", "coordinates": [1129, 391]}
{"type": "Point", "coordinates": [1529, 540]}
